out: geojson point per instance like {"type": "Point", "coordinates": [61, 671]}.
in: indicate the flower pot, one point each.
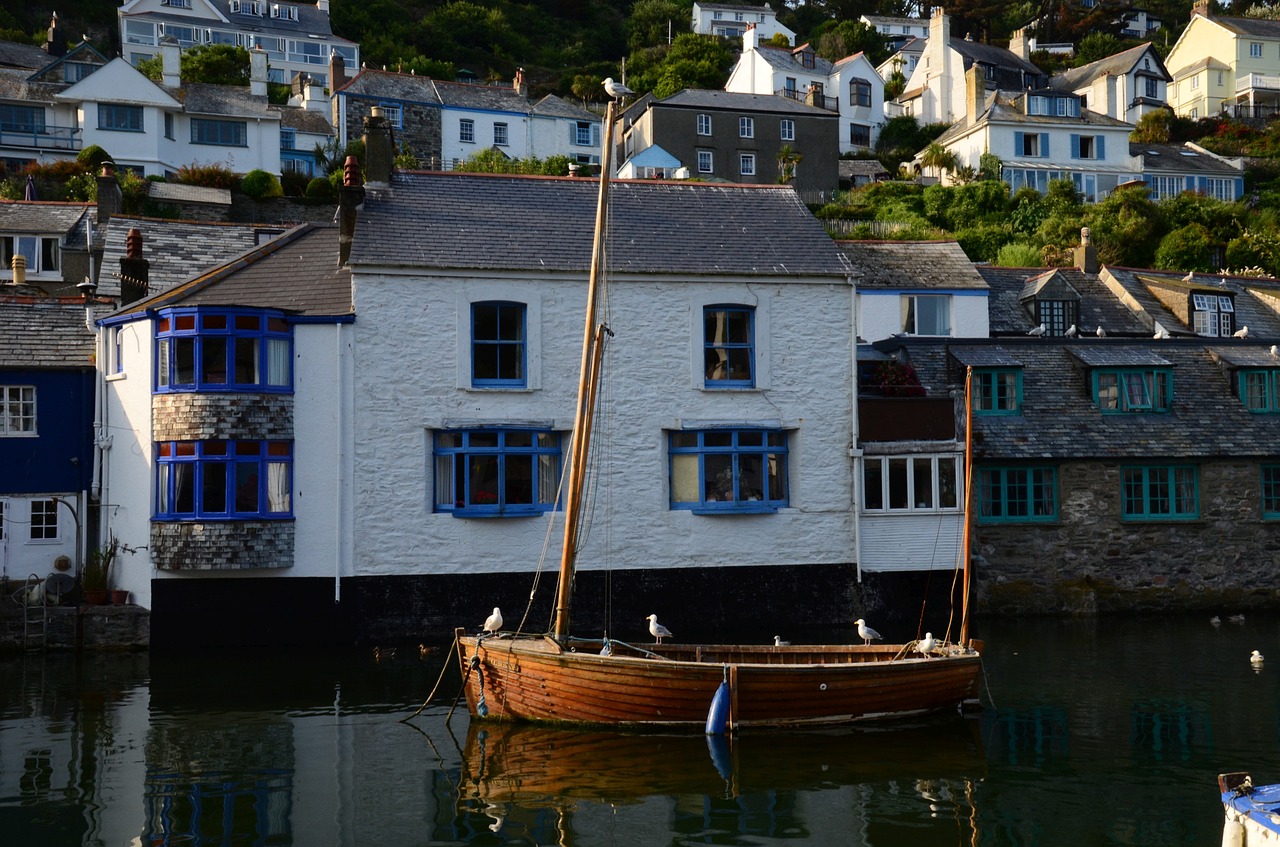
{"type": "Point", "coordinates": [119, 597]}
{"type": "Point", "coordinates": [95, 596]}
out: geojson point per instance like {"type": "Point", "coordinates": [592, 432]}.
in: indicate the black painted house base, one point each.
{"type": "Point", "coordinates": [802, 603]}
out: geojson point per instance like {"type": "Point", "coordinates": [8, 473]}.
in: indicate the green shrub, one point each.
{"type": "Point", "coordinates": [92, 158]}
{"type": "Point", "coordinates": [319, 189]}
{"type": "Point", "coordinates": [260, 185]}
{"type": "Point", "coordinates": [214, 175]}
{"type": "Point", "coordinates": [294, 184]}
{"type": "Point", "coordinates": [1019, 254]}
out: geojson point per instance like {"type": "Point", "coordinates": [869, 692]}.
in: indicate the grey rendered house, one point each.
{"type": "Point", "coordinates": [720, 135]}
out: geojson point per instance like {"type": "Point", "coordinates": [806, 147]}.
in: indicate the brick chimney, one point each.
{"type": "Point", "coordinates": [350, 200]}
{"type": "Point", "coordinates": [519, 84]}
{"type": "Point", "coordinates": [337, 71]}
{"type": "Point", "coordinates": [1200, 7]}
{"type": "Point", "coordinates": [55, 43]}
{"type": "Point", "coordinates": [1019, 45]}
{"type": "Point", "coordinates": [135, 271]}
{"type": "Point", "coordinates": [170, 62]}
{"type": "Point", "coordinates": [110, 198]}
{"type": "Point", "coordinates": [377, 148]}
{"type": "Point", "coordinates": [258, 72]}
{"type": "Point", "coordinates": [1086, 254]}
{"type": "Point", "coordinates": [975, 92]}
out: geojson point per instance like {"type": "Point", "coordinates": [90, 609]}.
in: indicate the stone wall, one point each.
{"type": "Point", "coordinates": [199, 417]}
{"type": "Point", "coordinates": [221, 545]}
{"type": "Point", "coordinates": [1090, 561]}
{"type": "Point", "coordinates": [420, 129]}
{"type": "Point", "coordinates": [74, 628]}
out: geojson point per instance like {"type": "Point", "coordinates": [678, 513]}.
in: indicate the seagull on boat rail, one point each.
{"type": "Point", "coordinates": [866, 633]}
{"type": "Point", "coordinates": [657, 630]}
{"type": "Point", "coordinates": [778, 642]}
{"type": "Point", "coordinates": [927, 644]}
{"type": "Point", "coordinates": [493, 623]}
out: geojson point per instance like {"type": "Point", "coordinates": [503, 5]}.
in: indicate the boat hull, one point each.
{"type": "Point", "coordinates": [1252, 812]}
{"type": "Point", "coordinates": [535, 679]}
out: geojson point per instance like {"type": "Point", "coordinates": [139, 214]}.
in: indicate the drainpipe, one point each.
{"type": "Point", "coordinates": [855, 449]}
{"type": "Point", "coordinates": [341, 510]}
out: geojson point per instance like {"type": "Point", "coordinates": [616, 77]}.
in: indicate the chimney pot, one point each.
{"type": "Point", "coordinates": [133, 243]}
{"type": "Point", "coordinates": [19, 269]}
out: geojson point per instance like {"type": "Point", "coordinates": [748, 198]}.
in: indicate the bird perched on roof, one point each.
{"type": "Point", "coordinates": [1072, 332]}
{"type": "Point", "coordinates": [866, 633]}
{"type": "Point", "coordinates": [927, 644]}
{"type": "Point", "coordinates": [493, 623]}
{"type": "Point", "coordinates": [1100, 332]}
{"type": "Point", "coordinates": [1242, 332]}
{"type": "Point", "coordinates": [778, 642]}
{"type": "Point", "coordinates": [1256, 659]}
{"type": "Point", "coordinates": [1190, 277]}
{"type": "Point", "coordinates": [1275, 351]}
{"type": "Point", "coordinates": [657, 630]}
{"type": "Point", "coordinates": [616, 90]}
{"type": "Point", "coordinates": [1161, 333]}
{"type": "Point", "coordinates": [1038, 331]}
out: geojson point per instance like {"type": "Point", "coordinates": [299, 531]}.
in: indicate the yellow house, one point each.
{"type": "Point", "coordinates": [1222, 64]}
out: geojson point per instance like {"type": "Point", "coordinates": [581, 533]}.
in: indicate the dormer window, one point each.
{"type": "Point", "coordinates": [997, 391]}
{"type": "Point", "coordinates": [42, 254]}
{"type": "Point", "coordinates": [1128, 390]}
{"type": "Point", "coordinates": [806, 58]}
{"type": "Point", "coordinates": [284, 12]}
{"type": "Point", "coordinates": [1213, 315]}
{"type": "Point", "coordinates": [1057, 315]}
{"type": "Point", "coordinates": [1260, 390]}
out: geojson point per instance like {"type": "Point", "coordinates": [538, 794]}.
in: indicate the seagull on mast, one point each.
{"type": "Point", "coordinates": [616, 90]}
{"type": "Point", "coordinates": [866, 633]}
{"type": "Point", "coordinates": [657, 630]}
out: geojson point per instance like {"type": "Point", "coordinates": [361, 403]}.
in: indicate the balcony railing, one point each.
{"type": "Point", "coordinates": [831, 104]}
{"type": "Point", "coordinates": [1254, 82]}
{"type": "Point", "coordinates": [43, 138]}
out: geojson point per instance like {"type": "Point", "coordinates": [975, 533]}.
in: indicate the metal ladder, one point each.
{"type": "Point", "coordinates": [35, 615]}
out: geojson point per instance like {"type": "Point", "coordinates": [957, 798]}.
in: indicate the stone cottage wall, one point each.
{"type": "Point", "coordinates": [420, 129]}
{"type": "Point", "coordinates": [1091, 561]}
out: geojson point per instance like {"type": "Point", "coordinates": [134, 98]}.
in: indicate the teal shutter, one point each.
{"type": "Point", "coordinates": [1018, 144]}
{"type": "Point", "coordinates": [1075, 146]}
{"type": "Point", "coordinates": [1044, 145]}
{"type": "Point", "coordinates": [1101, 147]}
{"type": "Point", "coordinates": [1239, 188]}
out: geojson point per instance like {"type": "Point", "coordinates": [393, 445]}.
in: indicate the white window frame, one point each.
{"type": "Point", "coordinates": [747, 164]}
{"type": "Point", "coordinates": [890, 468]}
{"type": "Point", "coordinates": [501, 135]}
{"type": "Point", "coordinates": [704, 124]}
{"type": "Point", "coordinates": [18, 411]}
{"type": "Point", "coordinates": [44, 519]}
{"type": "Point", "coordinates": [787, 129]}
{"type": "Point", "coordinates": [746, 127]}
{"type": "Point", "coordinates": [910, 310]}
{"type": "Point", "coordinates": [706, 162]}
{"type": "Point", "coordinates": [466, 131]}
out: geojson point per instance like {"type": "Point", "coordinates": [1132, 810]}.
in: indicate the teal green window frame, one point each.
{"type": "Point", "coordinates": [1133, 390]}
{"type": "Point", "coordinates": [1159, 492]}
{"type": "Point", "coordinates": [1271, 492]}
{"type": "Point", "coordinates": [1017, 494]}
{"type": "Point", "coordinates": [997, 391]}
{"type": "Point", "coordinates": [1260, 390]}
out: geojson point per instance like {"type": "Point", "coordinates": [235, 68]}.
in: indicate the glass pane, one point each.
{"type": "Point", "coordinates": [872, 476]}
{"type": "Point", "coordinates": [483, 439]}
{"type": "Point", "coordinates": [898, 493]}
{"type": "Point", "coordinates": [483, 474]}
{"type": "Point", "coordinates": [717, 438]}
{"type": "Point", "coordinates": [246, 363]}
{"type": "Point", "coordinates": [750, 477]}
{"type": "Point", "coordinates": [162, 366]}
{"type": "Point", "coordinates": [251, 322]}
{"type": "Point", "coordinates": [778, 477]}
{"type": "Point", "coordinates": [213, 496]}
{"type": "Point", "coordinates": [162, 488]}
{"type": "Point", "coordinates": [213, 361]}
{"type": "Point", "coordinates": [510, 361]}
{"type": "Point", "coordinates": [684, 439]}
{"type": "Point", "coordinates": [684, 478]}
{"type": "Point", "coordinates": [750, 438]}
{"type": "Point", "coordinates": [922, 480]}
{"type": "Point", "coordinates": [484, 322]}
{"type": "Point", "coordinates": [989, 494]}
{"type": "Point", "coordinates": [184, 354]}
{"type": "Point", "coordinates": [519, 480]}
{"type": "Point", "coordinates": [246, 486]}
{"type": "Point", "coordinates": [278, 361]}
{"type": "Point", "coordinates": [719, 478]}
{"type": "Point", "coordinates": [444, 481]}
{"type": "Point", "coordinates": [1108, 391]}
{"type": "Point", "coordinates": [519, 439]}
{"type": "Point", "coordinates": [448, 439]}
{"type": "Point", "coordinates": [485, 362]}
{"type": "Point", "coordinates": [548, 478]}
{"type": "Point", "coordinates": [947, 498]}
{"type": "Point", "coordinates": [739, 364]}
{"type": "Point", "coordinates": [214, 321]}
{"type": "Point", "coordinates": [184, 490]}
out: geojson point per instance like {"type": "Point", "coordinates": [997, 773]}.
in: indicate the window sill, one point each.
{"type": "Point", "coordinates": [737, 510]}
{"type": "Point", "coordinates": [489, 389]}
{"type": "Point", "coordinates": [19, 435]}
{"type": "Point", "coordinates": [219, 518]}
{"type": "Point", "coordinates": [119, 129]}
{"type": "Point", "coordinates": [506, 513]}
{"type": "Point", "coordinates": [116, 377]}
{"type": "Point", "coordinates": [1156, 520]}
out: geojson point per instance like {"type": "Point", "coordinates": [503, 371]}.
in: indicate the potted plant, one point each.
{"type": "Point", "coordinates": [898, 379]}
{"type": "Point", "coordinates": [97, 570]}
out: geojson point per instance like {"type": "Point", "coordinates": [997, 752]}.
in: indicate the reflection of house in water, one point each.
{"type": "Point", "coordinates": [1163, 728]}
{"type": "Point", "coordinates": [1026, 734]}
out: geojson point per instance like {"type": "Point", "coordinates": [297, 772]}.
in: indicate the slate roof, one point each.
{"type": "Point", "coordinates": [177, 250]}
{"type": "Point", "coordinates": [499, 98]}
{"type": "Point", "coordinates": [1182, 160]}
{"type": "Point", "coordinates": [388, 85]}
{"type": "Point", "coordinates": [303, 120]}
{"type": "Point", "coordinates": [1255, 299]}
{"type": "Point", "coordinates": [1013, 70]}
{"type": "Point", "coordinates": [297, 272]}
{"type": "Point", "coordinates": [15, 84]}
{"type": "Point", "coordinates": [1098, 305]}
{"type": "Point", "coordinates": [29, 56]}
{"type": "Point", "coordinates": [234, 100]}
{"type": "Point", "coordinates": [557, 107]}
{"type": "Point", "coordinates": [1004, 107]}
{"type": "Point", "coordinates": [65, 219]}
{"type": "Point", "coordinates": [1115, 65]}
{"type": "Point", "coordinates": [310, 20]}
{"type": "Point", "coordinates": [44, 333]}
{"type": "Point", "coordinates": [1258, 27]}
{"type": "Point", "coordinates": [849, 168]}
{"type": "Point", "coordinates": [1061, 421]}
{"type": "Point", "coordinates": [911, 265]}
{"type": "Point", "coordinates": [503, 223]}
{"type": "Point", "coordinates": [785, 60]}
{"type": "Point", "coordinates": [697, 98]}
{"type": "Point", "coordinates": [729, 7]}
{"type": "Point", "coordinates": [177, 192]}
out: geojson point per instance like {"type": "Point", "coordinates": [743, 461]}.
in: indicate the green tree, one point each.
{"type": "Point", "coordinates": [651, 22]}
{"type": "Point", "coordinates": [1018, 254]}
{"type": "Point", "coordinates": [835, 40]}
{"type": "Point", "coordinates": [788, 158]}
{"type": "Point", "coordinates": [1126, 228]}
{"type": "Point", "coordinates": [692, 61]}
{"type": "Point", "coordinates": [1185, 249]}
{"type": "Point", "coordinates": [1153, 127]}
{"type": "Point", "coordinates": [219, 64]}
{"type": "Point", "coordinates": [260, 185]}
{"type": "Point", "coordinates": [1098, 45]}
{"type": "Point", "coordinates": [938, 159]}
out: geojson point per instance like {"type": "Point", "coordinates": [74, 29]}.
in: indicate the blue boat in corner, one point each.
{"type": "Point", "coordinates": [1252, 811]}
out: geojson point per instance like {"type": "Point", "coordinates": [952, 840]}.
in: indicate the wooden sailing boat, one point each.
{"type": "Point", "coordinates": [557, 678]}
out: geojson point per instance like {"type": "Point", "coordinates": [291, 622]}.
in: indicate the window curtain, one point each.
{"type": "Point", "coordinates": [278, 487]}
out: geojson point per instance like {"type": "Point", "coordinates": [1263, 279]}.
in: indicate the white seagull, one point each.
{"type": "Point", "coordinates": [1038, 331]}
{"type": "Point", "coordinates": [657, 630]}
{"type": "Point", "coordinates": [927, 645]}
{"type": "Point", "coordinates": [1101, 333]}
{"type": "Point", "coordinates": [493, 623]}
{"type": "Point", "coordinates": [1161, 334]}
{"type": "Point", "coordinates": [1215, 620]}
{"type": "Point", "coordinates": [1275, 351]}
{"type": "Point", "coordinates": [1256, 659]}
{"type": "Point", "coordinates": [616, 90]}
{"type": "Point", "coordinates": [865, 632]}
{"type": "Point", "coordinates": [1072, 332]}
{"type": "Point", "coordinates": [778, 642]}
{"type": "Point", "coordinates": [1242, 332]}
{"type": "Point", "coordinates": [1190, 277]}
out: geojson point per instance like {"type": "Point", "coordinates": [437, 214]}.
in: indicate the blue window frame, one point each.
{"type": "Point", "coordinates": [1121, 390]}
{"type": "Point", "coordinates": [496, 472]}
{"type": "Point", "coordinates": [498, 344]}
{"type": "Point", "coordinates": [729, 346]}
{"type": "Point", "coordinates": [997, 391]}
{"type": "Point", "coordinates": [221, 133]}
{"type": "Point", "coordinates": [1271, 492]}
{"type": "Point", "coordinates": [1159, 492]}
{"type": "Point", "coordinates": [1260, 390]}
{"type": "Point", "coordinates": [223, 350]}
{"type": "Point", "coordinates": [224, 480]}
{"type": "Point", "coordinates": [1017, 494]}
{"type": "Point", "coordinates": [120, 118]}
{"type": "Point", "coordinates": [15, 118]}
{"type": "Point", "coordinates": [715, 471]}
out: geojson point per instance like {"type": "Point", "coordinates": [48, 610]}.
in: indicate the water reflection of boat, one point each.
{"type": "Point", "coordinates": [529, 766]}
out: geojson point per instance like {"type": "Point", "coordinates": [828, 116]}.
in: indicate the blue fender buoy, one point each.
{"type": "Point", "coordinates": [718, 714]}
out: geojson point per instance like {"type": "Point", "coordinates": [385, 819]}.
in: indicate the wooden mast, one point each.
{"type": "Point", "coordinates": [587, 377]}
{"type": "Point", "coordinates": [965, 555]}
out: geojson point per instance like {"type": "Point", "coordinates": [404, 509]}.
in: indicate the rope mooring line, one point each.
{"type": "Point", "coordinates": [452, 650]}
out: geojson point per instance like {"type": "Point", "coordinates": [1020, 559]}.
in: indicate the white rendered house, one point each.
{"type": "Point", "coordinates": [730, 21]}
{"type": "Point", "coordinates": [1125, 86]}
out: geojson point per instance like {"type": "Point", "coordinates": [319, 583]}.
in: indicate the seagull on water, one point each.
{"type": "Point", "coordinates": [1256, 659]}
{"type": "Point", "coordinates": [493, 623]}
{"type": "Point", "coordinates": [778, 642]}
{"type": "Point", "coordinates": [1242, 332]}
{"type": "Point", "coordinates": [865, 632]}
{"type": "Point", "coordinates": [616, 90]}
{"type": "Point", "coordinates": [1215, 620]}
{"type": "Point", "coordinates": [657, 630]}
{"type": "Point", "coordinates": [1038, 331]}
{"type": "Point", "coordinates": [927, 645]}
{"type": "Point", "coordinates": [1072, 332]}
{"type": "Point", "coordinates": [1236, 619]}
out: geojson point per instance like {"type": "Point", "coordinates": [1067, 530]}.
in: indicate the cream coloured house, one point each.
{"type": "Point", "coordinates": [1225, 64]}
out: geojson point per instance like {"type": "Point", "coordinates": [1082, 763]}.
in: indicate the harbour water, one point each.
{"type": "Point", "coordinates": [1094, 732]}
